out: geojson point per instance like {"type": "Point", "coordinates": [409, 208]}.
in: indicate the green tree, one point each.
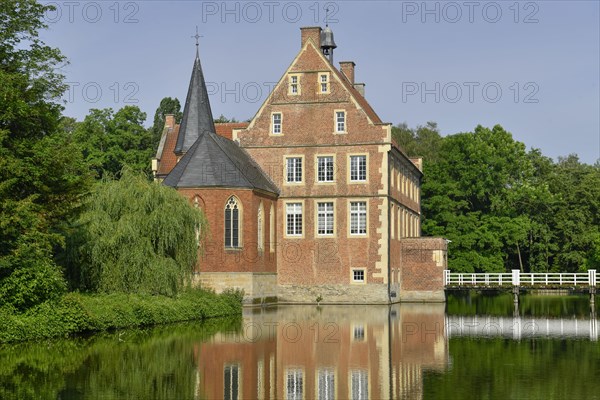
{"type": "Point", "coordinates": [42, 174]}
{"type": "Point", "coordinates": [167, 106]}
{"type": "Point", "coordinates": [138, 237]}
{"type": "Point", "coordinates": [424, 141]}
{"type": "Point", "coordinates": [575, 213]}
{"type": "Point", "coordinates": [223, 119]}
{"type": "Point", "coordinates": [112, 140]}
{"type": "Point", "coordinates": [470, 194]}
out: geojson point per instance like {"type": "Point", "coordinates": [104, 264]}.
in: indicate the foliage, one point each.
{"type": "Point", "coordinates": [42, 173]}
{"type": "Point", "coordinates": [137, 237]}
{"type": "Point", "coordinates": [78, 313]}
{"type": "Point", "coordinates": [112, 140]}
{"type": "Point", "coordinates": [502, 207]}
{"type": "Point", "coordinates": [424, 141]}
{"type": "Point", "coordinates": [167, 106]}
{"type": "Point", "coordinates": [467, 196]}
{"type": "Point", "coordinates": [223, 119]}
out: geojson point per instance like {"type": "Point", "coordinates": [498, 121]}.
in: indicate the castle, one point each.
{"type": "Point", "coordinates": [312, 200]}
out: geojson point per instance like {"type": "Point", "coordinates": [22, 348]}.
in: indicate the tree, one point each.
{"type": "Point", "coordinates": [223, 119]}
{"type": "Point", "coordinates": [424, 141]}
{"type": "Point", "coordinates": [113, 140]}
{"type": "Point", "coordinates": [42, 173]}
{"type": "Point", "coordinates": [469, 198]}
{"type": "Point", "coordinates": [167, 106]}
{"type": "Point", "coordinates": [137, 237]}
{"type": "Point", "coordinates": [575, 213]}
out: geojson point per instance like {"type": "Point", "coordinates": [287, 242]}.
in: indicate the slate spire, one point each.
{"type": "Point", "coordinates": [197, 115]}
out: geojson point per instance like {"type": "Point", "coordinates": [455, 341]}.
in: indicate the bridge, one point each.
{"type": "Point", "coordinates": [517, 280]}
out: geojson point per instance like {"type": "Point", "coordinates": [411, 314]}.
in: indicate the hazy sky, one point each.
{"type": "Point", "coordinates": [533, 67]}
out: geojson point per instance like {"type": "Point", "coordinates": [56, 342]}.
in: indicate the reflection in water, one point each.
{"type": "Point", "coordinates": [408, 351]}
{"type": "Point", "coordinates": [521, 327]}
{"type": "Point", "coordinates": [328, 352]}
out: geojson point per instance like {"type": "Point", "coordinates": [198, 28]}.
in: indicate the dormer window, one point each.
{"type": "Point", "coordinates": [294, 85]}
{"type": "Point", "coordinates": [324, 83]}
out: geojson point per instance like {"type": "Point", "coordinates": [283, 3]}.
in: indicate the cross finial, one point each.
{"type": "Point", "coordinates": [197, 36]}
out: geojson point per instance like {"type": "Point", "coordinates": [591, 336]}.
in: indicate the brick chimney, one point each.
{"type": "Point", "coordinates": [313, 32]}
{"type": "Point", "coordinates": [347, 68]}
{"type": "Point", "coordinates": [169, 121]}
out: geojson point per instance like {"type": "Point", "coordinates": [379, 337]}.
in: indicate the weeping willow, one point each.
{"type": "Point", "coordinates": [138, 237]}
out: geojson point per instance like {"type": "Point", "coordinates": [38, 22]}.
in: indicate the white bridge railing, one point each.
{"type": "Point", "coordinates": [518, 278]}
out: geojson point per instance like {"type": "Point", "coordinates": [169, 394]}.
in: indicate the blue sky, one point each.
{"type": "Point", "coordinates": [533, 67]}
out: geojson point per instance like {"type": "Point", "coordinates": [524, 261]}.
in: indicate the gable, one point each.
{"type": "Point", "coordinates": [308, 63]}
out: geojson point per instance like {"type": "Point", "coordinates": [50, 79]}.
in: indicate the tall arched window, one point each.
{"type": "Point", "coordinates": [232, 223]}
{"type": "Point", "coordinates": [272, 229]}
{"type": "Point", "coordinates": [260, 230]}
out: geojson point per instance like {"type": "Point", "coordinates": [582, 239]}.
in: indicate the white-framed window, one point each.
{"type": "Point", "coordinates": [325, 167]}
{"type": "Point", "coordinates": [358, 275]}
{"type": "Point", "coordinates": [340, 121]}
{"type": "Point", "coordinates": [324, 83]}
{"type": "Point", "coordinates": [232, 223]}
{"type": "Point", "coordinates": [293, 219]}
{"type": "Point", "coordinates": [325, 384]}
{"type": "Point", "coordinates": [294, 169]}
{"type": "Point", "coordinates": [325, 218]}
{"type": "Point", "coordinates": [276, 123]}
{"type": "Point", "coordinates": [358, 217]}
{"type": "Point", "coordinates": [231, 382]}
{"type": "Point", "coordinates": [359, 381]}
{"type": "Point", "coordinates": [358, 168]}
{"type": "Point", "coordinates": [294, 384]}
{"type": "Point", "coordinates": [294, 84]}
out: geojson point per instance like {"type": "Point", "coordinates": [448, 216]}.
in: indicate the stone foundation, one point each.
{"type": "Point", "coordinates": [334, 294]}
{"type": "Point", "coordinates": [259, 288]}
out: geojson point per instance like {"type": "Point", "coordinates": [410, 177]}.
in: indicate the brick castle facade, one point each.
{"type": "Point", "coordinates": [312, 200]}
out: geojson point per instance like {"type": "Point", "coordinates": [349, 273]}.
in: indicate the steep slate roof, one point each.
{"type": "Point", "coordinates": [210, 160]}
{"type": "Point", "coordinates": [197, 116]}
{"type": "Point", "coordinates": [215, 161]}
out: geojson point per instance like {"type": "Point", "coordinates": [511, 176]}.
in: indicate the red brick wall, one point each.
{"type": "Point", "coordinates": [419, 270]}
{"type": "Point", "coordinates": [308, 130]}
{"type": "Point", "coordinates": [216, 257]}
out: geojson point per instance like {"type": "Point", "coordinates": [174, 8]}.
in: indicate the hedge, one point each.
{"type": "Point", "coordinates": [80, 313]}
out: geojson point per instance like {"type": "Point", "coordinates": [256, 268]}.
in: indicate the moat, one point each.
{"type": "Point", "coordinates": [472, 347]}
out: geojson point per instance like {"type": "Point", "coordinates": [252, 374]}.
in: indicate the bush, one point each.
{"type": "Point", "coordinates": [80, 313]}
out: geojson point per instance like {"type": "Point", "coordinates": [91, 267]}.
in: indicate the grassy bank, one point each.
{"type": "Point", "coordinates": [80, 313]}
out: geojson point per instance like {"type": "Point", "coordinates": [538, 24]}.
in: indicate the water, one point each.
{"type": "Point", "coordinates": [475, 347]}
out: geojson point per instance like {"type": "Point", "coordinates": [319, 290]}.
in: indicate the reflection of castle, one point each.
{"type": "Point", "coordinates": [339, 352]}
{"type": "Point", "coordinates": [312, 198]}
